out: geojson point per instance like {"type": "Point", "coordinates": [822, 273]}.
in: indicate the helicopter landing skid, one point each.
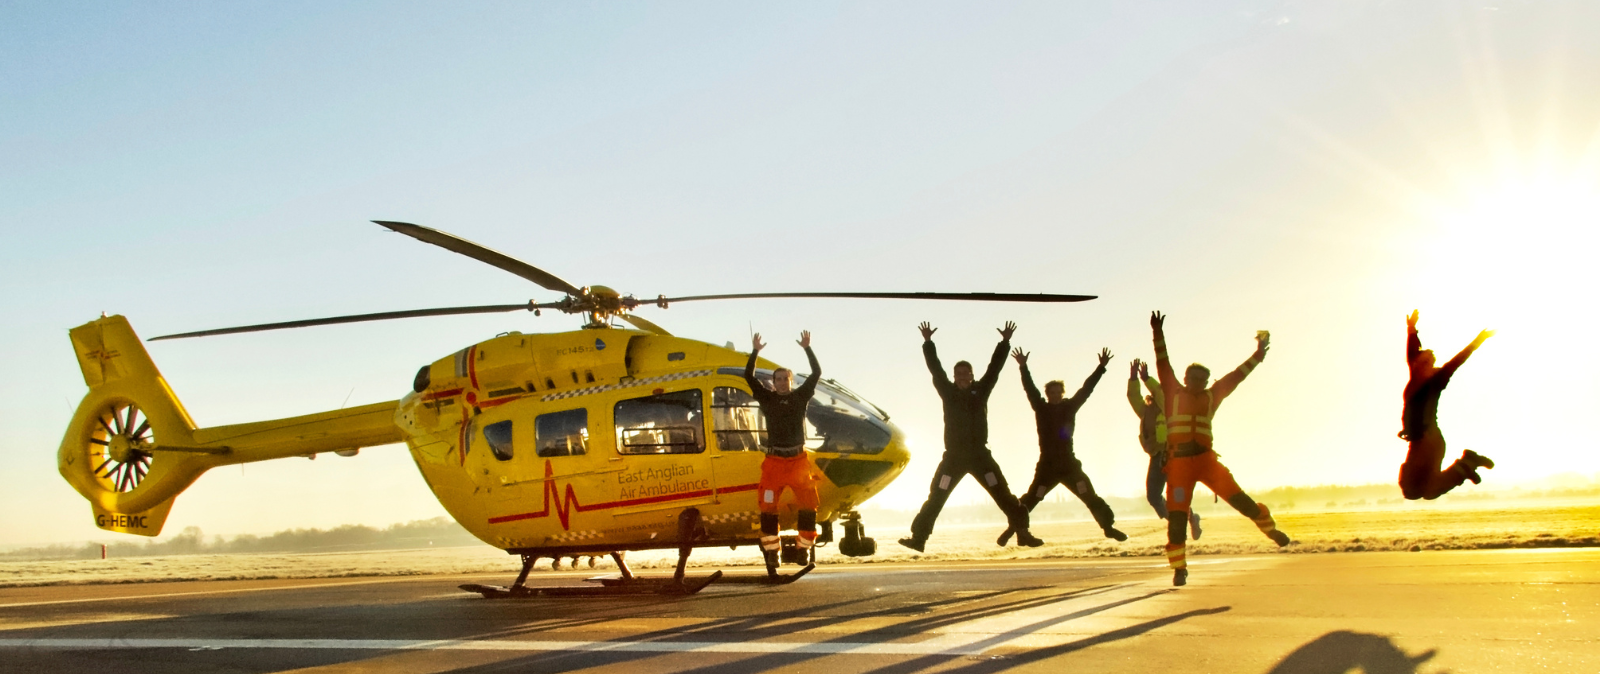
{"type": "Point", "coordinates": [780, 579]}
{"type": "Point", "coordinates": [609, 587]}
{"type": "Point", "coordinates": [621, 583]}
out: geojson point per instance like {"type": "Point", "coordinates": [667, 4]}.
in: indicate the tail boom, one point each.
{"type": "Point", "coordinates": [132, 448]}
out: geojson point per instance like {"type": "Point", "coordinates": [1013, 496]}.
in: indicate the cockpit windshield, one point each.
{"type": "Point", "coordinates": [836, 420]}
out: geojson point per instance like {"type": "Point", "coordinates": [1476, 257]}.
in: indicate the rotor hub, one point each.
{"type": "Point", "coordinates": [120, 449]}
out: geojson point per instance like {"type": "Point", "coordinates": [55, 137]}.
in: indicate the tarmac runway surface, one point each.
{"type": "Point", "coordinates": [1381, 612]}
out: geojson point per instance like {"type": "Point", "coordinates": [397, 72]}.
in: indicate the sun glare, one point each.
{"type": "Point", "coordinates": [1507, 254]}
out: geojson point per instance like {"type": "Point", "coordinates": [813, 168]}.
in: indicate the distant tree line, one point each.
{"type": "Point", "coordinates": [1062, 505]}
{"type": "Point", "coordinates": [439, 531]}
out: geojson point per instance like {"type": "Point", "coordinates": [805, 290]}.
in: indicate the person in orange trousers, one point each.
{"type": "Point", "coordinates": [786, 466]}
{"type": "Point", "coordinates": [1190, 458]}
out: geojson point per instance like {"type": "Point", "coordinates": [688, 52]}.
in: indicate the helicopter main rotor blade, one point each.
{"type": "Point", "coordinates": [359, 318]}
{"type": "Point", "coordinates": [978, 297]}
{"type": "Point", "coordinates": [643, 324]}
{"type": "Point", "coordinates": [456, 244]}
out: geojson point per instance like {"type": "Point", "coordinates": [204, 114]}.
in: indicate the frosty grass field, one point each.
{"type": "Point", "coordinates": [1225, 532]}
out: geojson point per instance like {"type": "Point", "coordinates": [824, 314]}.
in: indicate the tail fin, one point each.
{"type": "Point", "coordinates": [132, 448]}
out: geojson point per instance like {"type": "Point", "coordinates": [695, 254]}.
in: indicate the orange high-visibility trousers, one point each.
{"type": "Point", "coordinates": [1184, 471]}
{"type": "Point", "coordinates": [795, 473]}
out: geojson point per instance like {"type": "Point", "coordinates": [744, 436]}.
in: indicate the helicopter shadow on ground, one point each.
{"type": "Point", "coordinates": [1342, 651]}
{"type": "Point", "coordinates": [754, 628]}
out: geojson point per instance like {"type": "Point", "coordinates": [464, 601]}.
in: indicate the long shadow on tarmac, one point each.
{"type": "Point", "coordinates": [1029, 657]}
{"type": "Point", "coordinates": [736, 630]}
{"type": "Point", "coordinates": [1342, 651]}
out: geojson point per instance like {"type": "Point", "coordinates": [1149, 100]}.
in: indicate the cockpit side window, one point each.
{"type": "Point", "coordinates": [836, 420]}
{"type": "Point", "coordinates": [498, 434]}
{"type": "Point", "coordinates": [563, 433]}
{"type": "Point", "coordinates": [737, 420]}
{"type": "Point", "coordinates": [666, 423]}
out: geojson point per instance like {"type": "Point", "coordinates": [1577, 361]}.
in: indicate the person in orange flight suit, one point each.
{"type": "Point", "coordinates": [1420, 476]}
{"type": "Point", "coordinates": [1190, 458]}
{"type": "Point", "coordinates": [786, 466]}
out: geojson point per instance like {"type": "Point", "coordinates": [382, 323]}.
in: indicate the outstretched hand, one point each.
{"type": "Point", "coordinates": [755, 343]}
{"type": "Point", "coordinates": [1411, 321]}
{"type": "Point", "coordinates": [1478, 341]}
{"type": "Point", "coordinates": [805, 339]}
{"type": "Point", "coordinates": [927, 331]}
{"type": "Point", "coordinates": [1133, 369]}
{"type": "Point", "coordinates": [1005, 332]}
{"type": "Point", "coordinates": [1105, 357]}
{"type": "Point", "coordinates": [1144, 370]}
{"type": "Point", "coordinates": [1156, 320]}
{"type": "Point", "coordinates": [1022, 358]}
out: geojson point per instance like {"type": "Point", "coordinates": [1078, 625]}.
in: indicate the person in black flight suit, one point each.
{"type": "Point", "coordinates": [787, 465]}
{"type": "Point", "coordinates": [1056, 416]}
{"type": "Point", "coordinates": [966, 441]}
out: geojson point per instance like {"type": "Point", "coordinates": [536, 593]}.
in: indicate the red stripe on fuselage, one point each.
{"type": "Point", "coordinates": [566, 502]}
{"type": "Point", "coordinates": [496, 402]}
{"type": "Point", "coordinates": [442, 394]}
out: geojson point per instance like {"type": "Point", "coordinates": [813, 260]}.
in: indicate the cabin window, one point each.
{"type": "Point", "coordinates": [667, 423]}
{"type": "Point", "coordinates": [562, 433]}
{"type": "Point", "coordinates": [836, 420]}
{"type": "Point", "coordinates": [737, 420]}
{"type": "Point", "coordinates": [498, 434]}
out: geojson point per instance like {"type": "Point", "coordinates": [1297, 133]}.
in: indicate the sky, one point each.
{"type": "Point", "coordinates": [1313, 169]}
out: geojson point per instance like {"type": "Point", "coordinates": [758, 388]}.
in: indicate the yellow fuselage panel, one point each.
{"type": "Point", "coordinates": [601, 496]}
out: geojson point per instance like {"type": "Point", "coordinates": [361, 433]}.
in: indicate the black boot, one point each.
{"type": "Point", "coordinates": [913, 542]}
{"type": "Point", "coordinates": [1005, 537]}
{"type": "Point", "coordinates": [772, 562]}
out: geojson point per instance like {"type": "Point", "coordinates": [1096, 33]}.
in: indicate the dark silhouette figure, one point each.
{"type": "Point", "coordinates": [1056, 416]}
{"type": "Point", "coordinates": [1420, 476]}
{"type": "Point", "coordinates": [1344, 651]}
{"type": "Point", "coordinates": [966, 441]}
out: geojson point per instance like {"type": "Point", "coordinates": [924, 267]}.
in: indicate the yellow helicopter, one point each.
{"type": "Point", "coordinates": [592, 442]}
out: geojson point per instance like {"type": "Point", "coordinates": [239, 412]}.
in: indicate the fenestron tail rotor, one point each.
{"type": "Point", "coordinates": [599, 303]}
{"type": "Point", "coordinates": [119, 447]}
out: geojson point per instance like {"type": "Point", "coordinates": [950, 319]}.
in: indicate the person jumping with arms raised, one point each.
{"type": "Point", "coordinates": [1420, 477]}
{"type": "Point", "coordinates": [786, 466]}
{"type": "Point", "coordinates": [1056, 416]}
{"type": "Point", "coordinates": [1190, 459]}
{"type": "Point", "coordinates": [966, 441]}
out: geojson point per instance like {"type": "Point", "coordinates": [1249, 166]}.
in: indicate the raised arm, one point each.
{"type": "Point", "coordinates": [757, 391]}
{"type": "Point", "coordinates": [1169, 381]}
{"type": "Point", "coordinates": [997, 361]}
{"type": "Point", "coordinates": [1094, 378]}
{"type": "Point", "coordinates": [805, 390]}
{"type": "Point", "coordinates": [1034, 398]}
{"type": "Point", "coordinates": [1450, 367]}
{"type": "Point", "coordinates": [1135, 398]}
{"type": "Point", "coordinates": [1413, 342]}
{"type": "Point", "coordinates": [1230, 381]}
{"type": "Point", "coordinates": [941, 381]}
